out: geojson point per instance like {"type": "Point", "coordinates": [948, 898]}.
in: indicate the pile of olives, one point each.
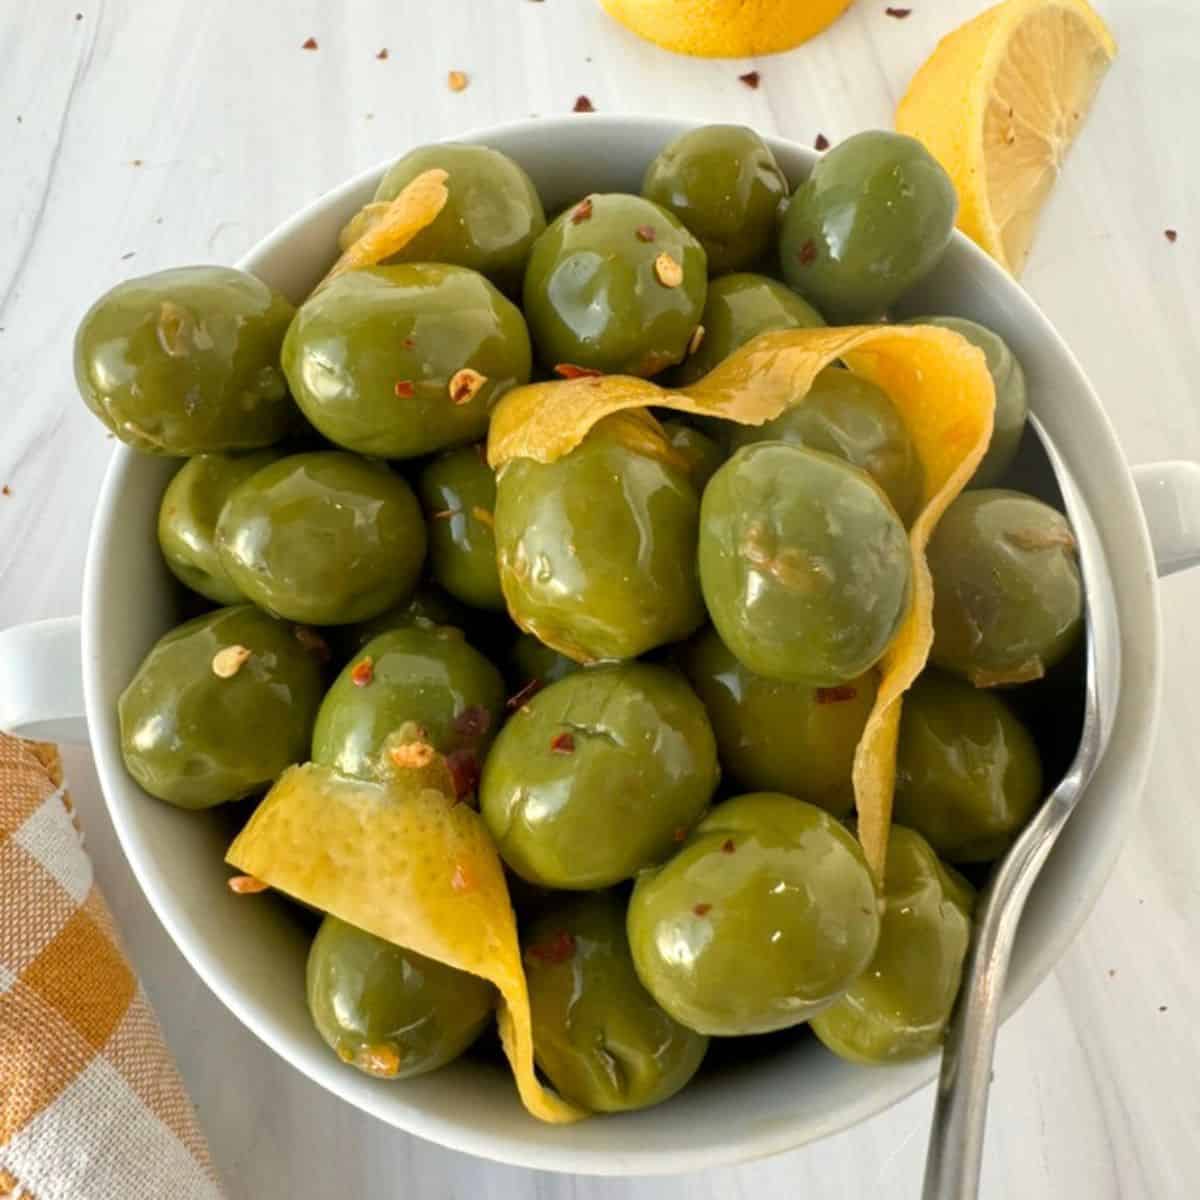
{"type": "Point", "coordinates": [650, 661]}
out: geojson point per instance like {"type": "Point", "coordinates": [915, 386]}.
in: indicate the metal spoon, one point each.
{"type": "Point", "coordinates": [955, 1150]}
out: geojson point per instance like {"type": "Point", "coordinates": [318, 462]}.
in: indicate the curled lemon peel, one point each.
{"type": "Point", "coordinates": [943, 392]}
{"type": "Point", "coordinates": [402, 860]}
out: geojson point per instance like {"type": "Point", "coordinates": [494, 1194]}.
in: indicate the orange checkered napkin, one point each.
{"type": "Point", "coordinates": [91, 1106]}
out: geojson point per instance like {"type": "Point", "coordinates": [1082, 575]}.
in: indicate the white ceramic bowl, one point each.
{"type": "Point", "coordinates": [252, 955]}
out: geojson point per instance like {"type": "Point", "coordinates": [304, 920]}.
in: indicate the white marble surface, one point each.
{"type": "Point", "coordinates": [147, 133]}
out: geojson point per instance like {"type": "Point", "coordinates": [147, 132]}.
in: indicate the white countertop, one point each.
{"type": "Point", "coordinates": [150, 133]}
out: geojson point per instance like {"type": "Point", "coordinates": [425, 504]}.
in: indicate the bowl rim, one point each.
{"type": "Point", "coordinates": [502, 1147]}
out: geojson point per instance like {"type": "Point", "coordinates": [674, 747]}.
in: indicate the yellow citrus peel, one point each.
{"type": "Point", "coordinates": [943, 391]}
{"type": "Point", "coordinates": [380, 230]}
{"type": "Point", "coordinates": [400, 859]}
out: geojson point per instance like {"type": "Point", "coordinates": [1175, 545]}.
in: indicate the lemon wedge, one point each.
{"type": "Point", "coordinates": [999, 103]}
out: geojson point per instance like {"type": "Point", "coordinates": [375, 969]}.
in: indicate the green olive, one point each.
{"type": "Point", "coordinates": [968, 775]}
{"type": "Point", "coordinates": [427, 607]}
{"type": "Point", "coordinates": [492, 215]}
{"type": "Point", "coordinates": [458, 492]}
{"type": "Point", "coordinates": [723, 183]}
{"type": "Point", "coordinates": [400, 361]}
{"type": "Point", "coordinates": [804, 564]}
{"type": "Point", "coordinates": [389, 1011]}
{"type": "Point", "coordinates": [597, 550]}
{"type": "Point", "coordinates": [326, 538]}
{"type": "Point", "coordinates": [598, 776]}
{"type": "Point", "coordinates": [615, 284]}
{"type": "Point", "coordinates": [218, 708]}
{"type": "Point", "coordinates": [780, 737]}
{"type": "Point", "coordinates": [186, 361]}
{"type": "Point", "coordinates": [1007, 594]}
{"type": "Point", "coordinates": [765, 916]}
{"type": "Point", "coordinates": [532, 661]}
{"type": "Point", "coordinates": [598, 1035]}
{"type": "Point", "coordinates": [870, 222]}
{"type": "Point", "coordinates": [187, 520]}
{"type": "Point", "coordinates": [853, 420]}
{"type": "Point", "coordinates": [899, 1007]}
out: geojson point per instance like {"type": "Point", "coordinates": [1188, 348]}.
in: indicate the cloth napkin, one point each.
{"type": "Point", "coordinates": [91, 1105]}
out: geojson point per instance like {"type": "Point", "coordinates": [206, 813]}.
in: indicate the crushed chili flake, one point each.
{"type": "Point", "coordinates": [473, 722]}
{"type": "Point", "coordinates": [807, 253]}
{"type": "Point", "coordinates": [465, 770]}
{"type": "Point", "coordinates": [310, 44]}
{"type": "Point", "coordinates": [380, 1060]}
{"type": "Point", "coordinates": [363, 671]}
{"type": "Point", "coordinates": [702, 910]}
{"type": "Point", "coordinates": [582, 211]}
{"type": "Point", "coordinates": [460, 879]}
{"type": "Point", "coordinates": [465, 385]}
{"type": "Point", "coordinates": [583, 104]}
{"type": "Point", "coordinates": [408, 343]}
{"type": "Point", "coordinates": [228, 662]}
{"type": "Point", "coordinates": [727, 846]}
{"type": "Point", "coordinates": [571, 371]}
{"type": "Point", "coordinates": [457, 81]}
{"type": "Point", "coordinates": [836, 695]}
{"type": "Point", "coordinates": [562, 743]}
{"type": "Point", "coordinates": [246, 885]}
{"type": "Point", "coordinates": [680, 834]}
{"type": "Point", "coordinates": [1172, 235]}
{"type": "Point", "coordinates": [556, 949]}
{"type": "Point", "coordinates": [412, 755]}
{"type": "Point", "coordinates": [527, 693]}
{"type": "Point", "coordinates": [483, 516]}
{"type": "Point", "coordinates": [898, 13]}
{"type": "Point", "coordinates": [822, 142]}
{"type": "Point", "coordinates": [382, 54]}
{"type": "Point", "coordinates": [313, 642]}
{"type": "Point", "coordinates": [668, 272]}
{"type": "Point", "coordinates": [751, 79]}
{"type": "Point", "coordinates": [645, 233]}
{"type": "Point", "coordinates": [404, 389]}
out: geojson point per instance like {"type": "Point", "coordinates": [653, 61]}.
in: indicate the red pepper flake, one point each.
{"type": "Point", "coordinates": [571, 371]}
{"type": "Point", "coordinates": [562, 743]}
{"type": "Point", "coordinates": [246, 885]}
{"type": "Point", "coordinates": [751, 79]}
{"type": "Point", "coordinates": [702, 910]}
{"type": "Point", "coordinates": [808, 253]}
{"type": "Point", "coordinates": [583, 104]}
{"type": "Point", "coordinates": [582, 211]}
{"type": "Point", "coordinates": [680, 834]}
{"type": "Point", "coordinates": [404, 389]}
{"type": "Point", "coordinates": [464, 769]}
{"type": "Point", "coordinates": [311, 44]}
{"type": "Point", "coordinates": [313, 642]}
{"type": "Point", "coordinates": [382, 55]}
{"type": "Point", "coordinates": [822, 142]}
{"type": "Point", "coordinates": [363, 671]}
{"type": "Point", "coordinates": [460, 879]}
{"type": "Point", "coordinates": [523, 697]}
{"type": "Point", "coordinates": [408, 343]}
{"type": "Point", "coordinates": [836, 695]}
{"type": "Point", "coordinates": [898, 13]}
{"type": "Point", "coordinates": [554, 950]}
{"type": "Point", "coordinates": [1172, 235]}
{"type": "Point", "coordinates": [727, 846]}
{"type": "Point", "coordinates": [645, 233]}
{"type": "Point", "coordinates": [473, 722]}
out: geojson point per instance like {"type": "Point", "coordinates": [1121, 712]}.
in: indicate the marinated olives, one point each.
{"type": "Point", "coordinates": [597, 550]}
{"type": "Point", "coordinates": [968, 775]}
{"type": "Point", "coordinates": [599, 775]}
{"type": "Point", "coordinates": [1007, 594]}
{"type": "Point", "coordinates": [870, 222]}
{"type": "Point", "coordinates": [458, 492]}
{"type": "Point", "coordinates": [186, 361]}
{"type": "Point", "coordinates": [898, 1008]}
{"type": "Point", "coordinates": [218, 708]}
{"type": "Point", "coordinates": [723, 183]}
{"type": "Point", "coordinates": [401, 361]}
{"type": "Point", "coordinates": [388, 1011]}
{"type": "Point", "coordinates": [780, 737]}
{"type": "Point", "coordinates": [428, 679]}
{"type": "Point", "coordinates": [325, 537]}
{"type": "Point", "coordinates": [492, 214]}
{"type": "Point", "coordinates": [615, 284]}
{"type": "Point", "coordinates": [187, 520]}
{"type": "Point", "coordinates": [853, 420]}
{"type": "Point", "coordinates": [804, 564]}
{"type": "Point", "coordinates": [765, 916]}
{"type": "Point", "coordinates": [598, 1035]}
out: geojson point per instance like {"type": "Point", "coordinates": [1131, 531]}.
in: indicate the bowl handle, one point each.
{"type": "Point", "coordinates": [41, 681]}
{"type": "Point", "coordinates": [1170, 495]}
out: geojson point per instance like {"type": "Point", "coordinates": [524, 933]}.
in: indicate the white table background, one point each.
{"type": "Point", "coordinates": [148, 133]}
